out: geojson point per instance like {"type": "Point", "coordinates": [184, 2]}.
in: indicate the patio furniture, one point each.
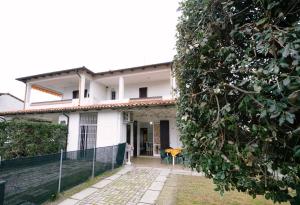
{"type": "Point", "coordinates": [179, 158]}
{"type": "Point", "coordinates": [164, 157]}
{"type": "Point", "coordinates": [174, 152]}
{"type": "Point", "coordinates": [186, 159]}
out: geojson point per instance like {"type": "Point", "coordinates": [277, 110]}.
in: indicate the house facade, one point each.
{"type": "Point", "coordinates": [134, 105]}
{"type": "Point", "coordinates": [9, 102]}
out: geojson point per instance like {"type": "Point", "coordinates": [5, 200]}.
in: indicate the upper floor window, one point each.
{"type": "Point", "coordinates": [113, 95]}
{"type": "Point", "coordinates": [76, 94]}
{"type": "Point", "coordinates": [143, 92]}
{"type": "Point", "coordinates": [86, 94]}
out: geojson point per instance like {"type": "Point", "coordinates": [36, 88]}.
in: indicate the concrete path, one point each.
{"type": "Point", "coordinates": [130, 186]}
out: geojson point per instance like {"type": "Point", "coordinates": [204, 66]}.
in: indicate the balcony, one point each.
{"type": "Point", "coordinates": [54, 103]}
{"type": "Point", "coordinates": [82, 89]}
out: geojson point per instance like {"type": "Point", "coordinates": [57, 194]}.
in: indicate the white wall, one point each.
{"type": "Point", "coordinates": [108, 92]}
{"type": "Point", "coordinates": [8, 103]}
{"type": "Point", "coordinates": [159, 88]}
{"type": "Point", "coordinates": [62, 118]}
{"type": "Point", "coordinates": [73, 132]}
{"type": "Point", "coordinates": [97, 92]}
{"type": "Point", "coordinates": [68, 92]}
{"type": "Point", "coordinates": [110, 129]}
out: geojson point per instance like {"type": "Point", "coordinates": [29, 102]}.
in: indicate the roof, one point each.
{"type": "Point", "coordinates": [25, 79]}
{"type": "Point", "coordinates": [134, 68]}
{"type": "Point", "coordinates": [130, 104]}
{"type": "Point", "coordinates": [12, 96]}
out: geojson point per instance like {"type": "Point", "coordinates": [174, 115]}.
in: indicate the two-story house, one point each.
{"type": "Point", "coordinates": [134, 105]}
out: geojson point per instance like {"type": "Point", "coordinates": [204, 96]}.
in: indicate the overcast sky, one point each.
{"type": "Point", "coordinates": [38, 36]}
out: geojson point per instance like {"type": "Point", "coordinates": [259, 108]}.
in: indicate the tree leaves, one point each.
{"type": "Point", "coordinates": [247, 56]}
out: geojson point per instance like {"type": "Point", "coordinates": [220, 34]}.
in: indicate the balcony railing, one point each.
{"type": "Point", "coordinates": [147, 98]}
{"type": "Point", "coordinates": [52, 102]}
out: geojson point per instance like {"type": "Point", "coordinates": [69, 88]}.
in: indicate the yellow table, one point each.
{"type": "Point", "coordinates": [174, 152]}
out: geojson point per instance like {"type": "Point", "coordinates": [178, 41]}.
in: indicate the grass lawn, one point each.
{"type": "Point", "coordinates": [183, 190]}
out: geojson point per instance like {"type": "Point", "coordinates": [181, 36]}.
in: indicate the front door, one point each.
{"type": "Point", "coordinates": [164, 134]}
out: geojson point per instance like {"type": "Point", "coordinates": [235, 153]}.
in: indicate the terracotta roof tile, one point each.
{"type": "Point", "coordinates": [130, 104]}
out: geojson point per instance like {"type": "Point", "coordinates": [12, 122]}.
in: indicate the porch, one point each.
{"type": "Point", "coordinates": [149, 131]}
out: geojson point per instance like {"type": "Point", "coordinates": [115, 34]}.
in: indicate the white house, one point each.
{"type": "Point", "coordinates": [134, 105]}
{"type": "Point", "coordinates": [9, 102]}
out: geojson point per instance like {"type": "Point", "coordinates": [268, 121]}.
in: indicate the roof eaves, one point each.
{"type": "Point", "coordinates": [12, 96]}
{"type": "Point", "coordinates": [25, 79]}
{"type": "Point", "coordinates": [134, 68]}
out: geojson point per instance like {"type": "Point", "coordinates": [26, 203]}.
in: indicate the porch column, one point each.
{"type": "Point", "coordinates": [121, 88]}
{"type": "Point", "coordinates": [131, 138]}
{"type": "Point", "coordinates": [173, 85]}
{"type": "Point", "coordinates": [81, 89]}
{"type": "Point", "coordinates": [27, 95]}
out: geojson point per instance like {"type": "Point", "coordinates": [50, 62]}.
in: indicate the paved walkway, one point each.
{"type": "Point", "coordinates": [130, 186]}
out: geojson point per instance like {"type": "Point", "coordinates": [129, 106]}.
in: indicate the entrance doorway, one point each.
{"type": "Point", "coordinates": [164, 134]}
{"type": "Point", "coordinates": [146, 139]}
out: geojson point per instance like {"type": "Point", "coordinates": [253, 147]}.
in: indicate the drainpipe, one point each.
{"type": "Point", "coordinates": [68, 119]}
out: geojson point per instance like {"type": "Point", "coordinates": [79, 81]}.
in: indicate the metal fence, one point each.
{"type": "Point", "coordinates": [34, 180]}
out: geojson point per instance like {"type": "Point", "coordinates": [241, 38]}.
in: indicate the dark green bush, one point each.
{"type": "Point", "coordinates": [21, 138]}
{"type": "Point", "coordinates": [238, 73]}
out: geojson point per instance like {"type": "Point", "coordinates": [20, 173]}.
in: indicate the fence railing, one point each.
{"type": "Point", "coordinates": [34, 180]}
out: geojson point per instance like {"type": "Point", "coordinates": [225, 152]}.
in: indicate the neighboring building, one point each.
{"type": "Point", "coordinates": [9, 102]}
{"type": "Point", "coordinates": [134, 105]}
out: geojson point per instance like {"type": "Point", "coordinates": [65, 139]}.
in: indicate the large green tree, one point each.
{"type": "Point", "coordinates": [238, 73]}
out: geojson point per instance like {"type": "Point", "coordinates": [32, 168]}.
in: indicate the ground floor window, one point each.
{"type": "Point", "coordinates": [87, 130]}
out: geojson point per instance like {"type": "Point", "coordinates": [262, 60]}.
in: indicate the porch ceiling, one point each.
{"type": "Point", "coordinates": [58, 84]}
{"type": "Point", "coordinates": [150, 76]}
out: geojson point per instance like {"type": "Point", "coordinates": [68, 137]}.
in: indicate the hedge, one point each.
{"type": "Point", "coordinates": [21, 138]}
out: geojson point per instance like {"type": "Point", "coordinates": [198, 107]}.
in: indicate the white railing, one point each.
{"type": "Point", "coordinates": [53, 104]}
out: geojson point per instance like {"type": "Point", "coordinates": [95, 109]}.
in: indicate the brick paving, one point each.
{"type": "Point", "coordinates": [133, 185]}
{"type": "Point", "coordinates": [127, 189]}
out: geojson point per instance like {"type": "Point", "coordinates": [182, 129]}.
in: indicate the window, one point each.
{"type": "Point", "coordinates": [86, 94]}
{"type": "Point", "coordinates": [63, 122]}
{"type": "Point", "coordinates": [76, 94]}
{"type": "Point", "coordinates": [113, 95]}
{"type": "Point", "coordinates": [87, 130]}
{"type": "Point", "coordinates": [143, 92]}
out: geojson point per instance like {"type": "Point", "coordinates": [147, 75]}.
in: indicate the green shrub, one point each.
{"type": "Point", "coordinates": [21, 138]}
